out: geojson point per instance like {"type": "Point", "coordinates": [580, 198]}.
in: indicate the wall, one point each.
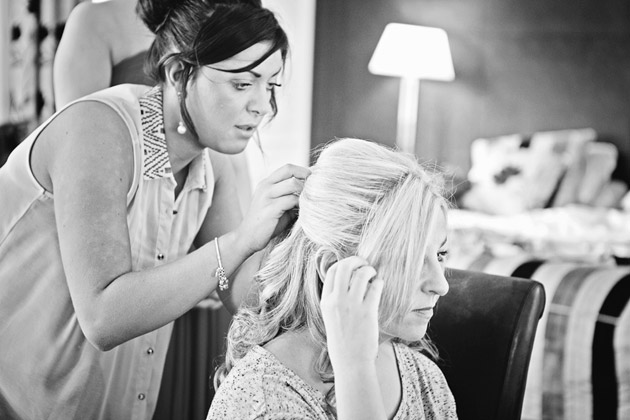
{"type": "Point", "coordinates": [520, 67]}
{"type": "Point", "coordinates": [287, 138]}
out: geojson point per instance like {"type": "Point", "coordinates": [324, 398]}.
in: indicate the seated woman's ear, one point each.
{"type": "Point", "coordinates": [324, 261]}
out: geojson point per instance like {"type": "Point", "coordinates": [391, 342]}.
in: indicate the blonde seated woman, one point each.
{"type": "Point", "coordinates": [338, 327]}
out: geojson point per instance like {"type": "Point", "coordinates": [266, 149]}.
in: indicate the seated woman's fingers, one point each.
{"type": "Point", "coordinates": [345, 268]}
{"type": "Point", "coordinates": [373, 294]}
{"type": "Point", "coordinates": [359, 283]}
{"type": "Point", "coordinates": [349, 279]}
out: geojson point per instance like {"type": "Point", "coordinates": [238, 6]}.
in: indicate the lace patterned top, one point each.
{"type": "Point", "coordinates": [261, 387]}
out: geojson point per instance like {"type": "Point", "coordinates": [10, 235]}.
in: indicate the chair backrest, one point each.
{"type": "Point", "coordinates": [484, 330]}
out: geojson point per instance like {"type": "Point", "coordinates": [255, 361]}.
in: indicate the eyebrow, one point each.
{"type": "Point", "coordinates": [255, 74]}
{"type": "Point", "coordinates": [444, 242]}
{"type": "Point", "coordinates": [258, 75]}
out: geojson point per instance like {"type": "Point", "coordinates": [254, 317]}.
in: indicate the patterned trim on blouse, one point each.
{"type": "Point", "coordinates": [155, 162]}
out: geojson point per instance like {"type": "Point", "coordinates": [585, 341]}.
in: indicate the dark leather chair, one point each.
{"type": "Point", "coordinates": [484, 330]}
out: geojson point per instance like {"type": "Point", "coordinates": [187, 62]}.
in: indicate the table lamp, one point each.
{"type": "Point", "coordinates": [412, 53]}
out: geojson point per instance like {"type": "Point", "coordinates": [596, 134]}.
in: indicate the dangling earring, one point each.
{"type": "Point", "coordinates": [181, 128]}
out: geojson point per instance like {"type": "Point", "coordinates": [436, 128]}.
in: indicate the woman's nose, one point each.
{"type": "Point", "coordinates": [435, 280]}
{"type": "Point", "coordinates": [260, 103]}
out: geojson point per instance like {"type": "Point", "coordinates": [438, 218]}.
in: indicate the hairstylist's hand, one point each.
{"type": "Point", "coordinates": [349, 307]}
{"type": "Point", "coordinates": [270, 210]}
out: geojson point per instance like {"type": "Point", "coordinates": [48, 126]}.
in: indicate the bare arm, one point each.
{"type": "Point", "coordinates": [90, 168]}
{"type": "Point", "coordinates": [225, 215]}
{"type": "Point", "coordinates": [83, 60]}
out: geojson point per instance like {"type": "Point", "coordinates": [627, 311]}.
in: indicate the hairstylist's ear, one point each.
{"type": "Point", "coordinates": [174, 70]}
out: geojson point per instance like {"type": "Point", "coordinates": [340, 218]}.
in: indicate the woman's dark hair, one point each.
{"type": "Point", "coordinates": [202, 32]}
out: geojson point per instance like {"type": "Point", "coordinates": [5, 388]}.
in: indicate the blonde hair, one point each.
{"type": "Point", "coordinates": [361, 199]}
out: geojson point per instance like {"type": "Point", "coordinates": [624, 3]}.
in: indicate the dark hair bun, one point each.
{"type": "Point", "coordinates": [154, 13]}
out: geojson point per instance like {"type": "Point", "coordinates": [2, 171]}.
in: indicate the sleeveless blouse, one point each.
{"type": "Point", "coordinates": [48, 370]}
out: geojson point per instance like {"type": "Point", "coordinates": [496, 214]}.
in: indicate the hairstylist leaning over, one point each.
{"type": "Point", "coordinates": [105, 44]}
{"type": "Point", "coordinates": [103, 201]}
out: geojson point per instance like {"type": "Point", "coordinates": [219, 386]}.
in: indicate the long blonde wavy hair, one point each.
{"type": "Point", "coordinates": [361, 199]}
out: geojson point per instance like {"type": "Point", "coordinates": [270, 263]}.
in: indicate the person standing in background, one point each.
{"type": "Point", "coordinates": [103, 44]}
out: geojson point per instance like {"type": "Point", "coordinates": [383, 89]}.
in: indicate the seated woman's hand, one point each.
{"type": "Point", "coordinates": [271, 208]}
{"type": "Point", "coordinates": [349, 304]}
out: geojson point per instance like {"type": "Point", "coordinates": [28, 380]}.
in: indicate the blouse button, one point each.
{"type": "Point", "coordinates": [160, 257]}
{"type": "Point", "coordinates": [174, 211]}
{"type": "Point", "coordinates": [141, 396]}
{"type": "Point", "coordinates": [150, 350]}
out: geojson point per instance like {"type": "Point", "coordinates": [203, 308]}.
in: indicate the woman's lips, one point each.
{"type": "Point", "coordinates": [247, 131]}
{"type": "Point", "coordinates": [424, 312]}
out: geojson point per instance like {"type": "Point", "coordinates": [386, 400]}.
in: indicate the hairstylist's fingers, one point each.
{"type": "Point", "coordinates": [287, 171]}
{"type": "Point", "coordinates": [374, 292]}
{"type": "Point", "coordinates": [287, 186]}
{"type": "Point", "coordinates": [344, 273]}
{"type": "Point", "coordinates": [360, 279]}
{"type": "Point", "coordinates": [286, 202]}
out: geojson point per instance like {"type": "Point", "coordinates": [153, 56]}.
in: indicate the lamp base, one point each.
{"type": "Point", "coordinates": [407, 114]}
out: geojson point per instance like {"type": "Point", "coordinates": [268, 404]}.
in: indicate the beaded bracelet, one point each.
{"type": "Point", "coordinates": [220, 273]}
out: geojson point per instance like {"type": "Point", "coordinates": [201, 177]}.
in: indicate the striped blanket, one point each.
{"type": "Point", "coordinates": [580, 365]}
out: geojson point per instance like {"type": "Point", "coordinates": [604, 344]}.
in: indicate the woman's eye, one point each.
{"type": "Point", "coordinates": [241, 85]}
{"type": "Point", "coordinates": [442, 256]}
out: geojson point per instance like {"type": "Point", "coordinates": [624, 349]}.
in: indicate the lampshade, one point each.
{"type": "Point", "coordinates": [412, 51]}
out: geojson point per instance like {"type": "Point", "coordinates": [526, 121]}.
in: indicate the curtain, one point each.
{"type": "Point", "coordinates": [195, 351]}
